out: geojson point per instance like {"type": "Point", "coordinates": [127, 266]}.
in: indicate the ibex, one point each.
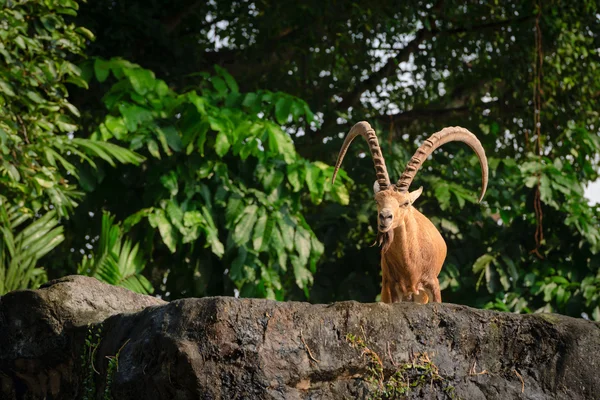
{"type": "Point", "coordinates": [412, 249]}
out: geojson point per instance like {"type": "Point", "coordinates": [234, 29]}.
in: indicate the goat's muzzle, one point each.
{"type": "Point", "coordinates": [385, 220]}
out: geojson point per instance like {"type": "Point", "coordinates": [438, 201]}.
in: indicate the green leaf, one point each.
{"type": "Point", "coordinates": [161, 88]}
{"type": "Point", "coordinates": [199, 102]}
{"type": "Point", "coordinates": [175, 214]}
{"type": "Point", "coordinates": [20, 42]}
{"type": "Point", "coordinates": [482, 262]}
{"type": "Point", "coordinates": [34, 96]}
{"type": "Point", "coordinates": [251, 100]}
{"type": "Point", "coordinates": [236, 273]}
{"type": "Point", "coordinates": [303, 276]}
{"type": "Point", "coordinates": [282, 109]}
{"type": "Point", "coordinates": [482, 267]}
{"type": "Point", "coordinates": [212, 233]}
{"type": "Point", "coordinates": [243, 229]}
{"type": "Point", "coordinates": [65, 124]}
{"type": "Point", "coordinates": [218, 124]}
{"type": "Point", "coordinates": [459, 198]}
{"type": "Point", "coordinates": [50, 22]}
{"type": "Point", "coordinates": [6, 88]}
{"type": "Point", "coordinates": [172, 136]}
{"type": "Point", "coordinates": [302, 241]}
{"type": "Point", "coordinates": [169, 181]}
{"type": "Point", "coordinates": [272, 179]}
{"type": "Point", "coordinates": [108, 151]}
{"type": "Point", "coordinates": [231, 83]}
{"type": "Point", "coordinates": [201, 139]}
{"type": "Point", "coordinates": [116, 260]}
{"type": "Point", "coordinates": [340, 194]}
{"type": "Point", "coordinates": [101, 69]}
{"type": "Point", "coordinates": [219, 85]}
{"type": "Point", "coordinates": [221, 144]}
{"type": "Point", "coordinates": [153, 148]}
{"type": "Point", "coordinates": [297, 109]}
{"type": "Point", "coordinates": [234, 210]}
{"type": "Point", "coordinates": [85, 32]}
{"type": "Point", "coordinates": [21, 251]}
{"type": "Point", "coordinates": [44, 181]}
{"type": "Point", "coordinates": [280, 143]}
{"type": "Point", "coordinates": [287, 227]}
{"type": "Point", "coordinates": [276, 243]}
{"type": "Point", "coordinates": [142, 80]}
{"type": "Point", "coordinates": [309, 114]}
{"type": "Point", "coordinates": [549, 291]}
{"type": "Point", "coordinates": [12, 171]}
{"type": "Point", "coordinates": [135, 115]}
{"type": "Point", "coordinates": [268, 234]}
{"type": "Point", "coordinates": [296, 174]}
{"type": "Point", "coordinates": [72, 109]}
{"type": "Point", "coordinates": [317, 250]}
{"type": "Point", "coordinates": [159, 220]}
{"type": "Point", "coordinates": [546, 191]}
{"type": "Point", "coordinates": [116, 126]}
{"type": "Point", "coordinates": [259, 236]}
{"type": "Point", "coordinates": [135, 218]}
{"type": "Point", "coordinates": [315, 184]}
{"type": "Point", "coordinates": [442, 192]}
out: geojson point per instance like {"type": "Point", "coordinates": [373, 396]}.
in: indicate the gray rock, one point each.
{"type": "Point", "coordinates": [226, 348]}
{"type": "Point", "coordinates": [37, 328]}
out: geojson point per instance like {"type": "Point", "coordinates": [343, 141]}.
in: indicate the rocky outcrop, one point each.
{"type": "Point", "coordinates": [79, 338]}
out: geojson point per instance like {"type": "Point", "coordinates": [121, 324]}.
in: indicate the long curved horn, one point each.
{"type": "Point", "coordinates": [364, 129]}
{"type": "Point", "coordinates": [436, 140]}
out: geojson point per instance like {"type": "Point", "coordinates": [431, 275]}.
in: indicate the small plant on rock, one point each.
{"type": "Point", "coordinates": [404, 378]}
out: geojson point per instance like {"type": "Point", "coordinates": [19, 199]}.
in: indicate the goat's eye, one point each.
{"type": "Point", "coordinates": [404, 204]}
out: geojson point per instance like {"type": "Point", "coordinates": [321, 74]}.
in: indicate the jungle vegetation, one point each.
{"type": "Point", "coordinates": [185, 148]}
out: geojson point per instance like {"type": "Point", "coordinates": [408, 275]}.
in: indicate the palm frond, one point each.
{"type": "Point", "coordinates": [108, 151]}
{"type": "Point", "coordinates": [116, 261]}
{"type": "Point", "coordinates": [21, 249]}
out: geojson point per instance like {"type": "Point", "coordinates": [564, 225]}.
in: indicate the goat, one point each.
{"type": "Point", "coordinates": [412, 249]}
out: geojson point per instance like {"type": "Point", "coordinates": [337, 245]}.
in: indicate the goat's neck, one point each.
{"type": "Point", "coordinates": [404, 249]}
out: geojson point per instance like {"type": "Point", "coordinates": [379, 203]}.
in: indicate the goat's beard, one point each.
{"type": "Point", "coordinates": [385, 240]}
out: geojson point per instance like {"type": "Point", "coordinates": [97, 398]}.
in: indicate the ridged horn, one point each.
{"type": "Point", "coordinates": [436, 140]}
{"type": "Point", "coordinates": [363, 129]}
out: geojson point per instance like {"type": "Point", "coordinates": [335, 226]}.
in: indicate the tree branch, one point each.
{"type": "Point", "coordinates": [275, 53]}
{"type": "Point", "coordinates": [491, 25]}
{"type": "Point", "coordinates": [352, 98]}
{"type": "Point", "coordinates": [411, 115]}
{"type": "Point", "coordinates": [390, 67]}
{"type": "Point", "coordinates": [459, 101]}
{"type": "Point", "coordinates": [171, 23]}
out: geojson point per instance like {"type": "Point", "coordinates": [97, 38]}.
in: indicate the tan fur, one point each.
{"type": "Point", "coordinates": [413, 259]}
{"type": "Point", "coordinates": [412, 249]}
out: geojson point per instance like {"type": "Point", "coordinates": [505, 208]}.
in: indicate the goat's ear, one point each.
{"type": "Point", "coordinates": [415, 194]}
{"type": "Point", "coordinates": [376, 187]}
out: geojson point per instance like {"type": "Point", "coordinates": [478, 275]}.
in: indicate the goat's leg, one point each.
{"type": "Point", "coordinates": [397, 294]}
{"type": "Point", "coordinates": [386, 296]}
{"type": "Point", "coordinates": [434, 287]}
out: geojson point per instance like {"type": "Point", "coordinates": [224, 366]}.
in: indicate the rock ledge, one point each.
{"type": "Point", "coordinates": [226, 348]}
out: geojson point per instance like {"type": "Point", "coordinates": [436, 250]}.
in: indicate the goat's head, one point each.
{"type": "Point", "coordinates": [392, 206]}
{"type": "Point", "coordinates": [394, 201]}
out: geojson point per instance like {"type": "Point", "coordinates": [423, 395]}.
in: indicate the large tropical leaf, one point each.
{"type": "Point", "coordinates": [116, 261]}
{"type": "Point", "coordinates": [24, 240]}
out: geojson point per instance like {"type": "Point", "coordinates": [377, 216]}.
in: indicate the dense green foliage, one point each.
{"type": "Point", "coordinates": [220, 183]}
{"type": "Point", "coordinates": [207, 131]}
{"type": "Point", "coordinates": [36, 113]}
{"type": "Point", "coordinates": [40, 160]}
